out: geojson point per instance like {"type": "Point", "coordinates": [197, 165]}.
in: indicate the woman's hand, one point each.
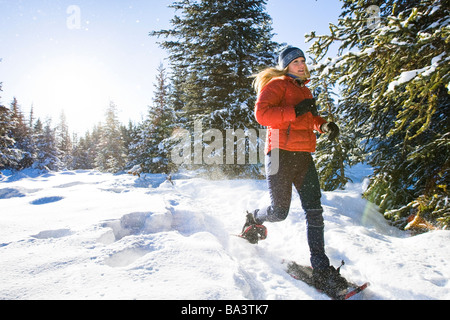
{"type": "Point", "coordinates": [307, 105]}
{"type": "Point", "coordinates": [332, 129]}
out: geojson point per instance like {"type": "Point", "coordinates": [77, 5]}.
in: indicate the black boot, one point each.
{"type": "Point", "coordinates": [253, 231]}
{"type": "Point", "coordinates": [330, 281]}
{"type": "Point", "coordinates": [316, 242]}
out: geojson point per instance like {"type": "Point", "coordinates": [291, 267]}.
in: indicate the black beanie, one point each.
{"type": "Point", "coordinates": [288, 55]}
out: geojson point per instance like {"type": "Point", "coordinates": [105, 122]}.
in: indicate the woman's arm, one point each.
{"type": "Point", "coordinates": [268, 110]}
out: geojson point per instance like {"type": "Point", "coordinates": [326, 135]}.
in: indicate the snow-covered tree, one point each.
{"type": "Point", "coordinates": [64, 141]}
{"type": "Point", "coordinates": [21, 134]}
{"type": "Point", "coordinates": [47, 153]}
{"type": "Point", "coordinates": [10, 156]}
{"type": "Point", "coordinates": [151, 146]}
{"type": "Point", "coordinates": [332, 157]}
{"type": "Point", "coordinates": [83, 155]}
{"type": "Point", "coordinates": [111, 156]}
{"type": "Point", "coordinates": [394, 73]}
{"type": "Point", "coordinates": [215, 46]}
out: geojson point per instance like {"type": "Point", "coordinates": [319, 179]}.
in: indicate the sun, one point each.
{"type": "Point", "coordinates": [79, 86]}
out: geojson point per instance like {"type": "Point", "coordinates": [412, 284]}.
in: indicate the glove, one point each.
{"type": "Point", "coordinates": [332, 129]}
{"type": "Point", "coordinates": [307, 105]}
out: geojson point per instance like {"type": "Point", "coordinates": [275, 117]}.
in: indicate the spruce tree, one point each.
{"type": "Point", "coordinates": [21, 134]}
{"type": "Point", "coordinates": [10, 156]}
{"type": "Point", "coordinates": [332, 157]}
{"type": "Point", "coordinates": [136, 147]}
{"type": "Point", "coordinates": [64, 141]}
{"type": "Point", "coordinates": [111, 156]}
{"type": "Point", "coordinates": [151, 140]}
{"type": "Point", "coordinates": [47, 153]}
{"type": "Point", "coordinates": [214, 48]}
{"type": "Point", "coordinates": [393, 69]}
{"type": "Point", "coordinates": [93, 140]}
{"type": "Point", "coordinates": [161, 122]}
{"type": "Point", "coordinates": [80, 156]}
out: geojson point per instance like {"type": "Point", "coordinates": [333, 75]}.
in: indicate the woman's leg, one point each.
{"type": "Point", "coordinates": [308, 187]}
{"type": "Point", "coordinates": [279, 170]}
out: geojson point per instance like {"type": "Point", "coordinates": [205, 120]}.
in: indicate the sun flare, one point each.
{"type": "Point", "coordinates": [80, 86]}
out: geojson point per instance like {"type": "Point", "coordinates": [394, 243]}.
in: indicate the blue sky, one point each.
{"type": "Point", "coordinates": [78, 55]}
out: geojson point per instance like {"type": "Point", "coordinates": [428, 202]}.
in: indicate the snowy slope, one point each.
{"type": "Point", "coordinates": [89, 235]}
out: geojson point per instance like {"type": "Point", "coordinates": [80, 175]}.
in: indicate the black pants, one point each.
{"type": "Point", "coordinates": [287, 168]}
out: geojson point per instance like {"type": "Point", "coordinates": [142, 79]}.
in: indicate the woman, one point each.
{"type": "Point", "coordinates": [286, 106]}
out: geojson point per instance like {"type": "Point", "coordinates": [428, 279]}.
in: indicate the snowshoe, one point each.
{"type": "Point", "coordinates": [252, 230]}
{"type": "Point", "coordinates": [328, 281]}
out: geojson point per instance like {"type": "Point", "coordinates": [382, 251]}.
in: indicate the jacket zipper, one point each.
{"type": "Point", "coordinates": [288, 131]}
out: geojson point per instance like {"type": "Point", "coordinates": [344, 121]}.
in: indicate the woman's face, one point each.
{"type": "Point", "coordinates": [297, 67]}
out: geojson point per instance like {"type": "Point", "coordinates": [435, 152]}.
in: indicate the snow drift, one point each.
{"type": "Point", "coordinates": [88, 235]}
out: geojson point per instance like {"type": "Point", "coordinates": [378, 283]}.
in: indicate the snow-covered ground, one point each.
{"type": "Point", "coordinates": [90, 235]}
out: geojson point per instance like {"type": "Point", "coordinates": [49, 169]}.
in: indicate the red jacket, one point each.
{"type": "Point", "coordinates": [275, 109]}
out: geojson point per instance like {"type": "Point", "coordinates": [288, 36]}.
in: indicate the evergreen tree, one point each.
{"type": "Point", "coordinates": [151, 145]}
{"type": "Point", "coordinates": [31, 118]}
{"type": "Point", "coordinates": [129, 138]}
{"type": "Point", "coordinates": [21, 134]}
{"type": "Point", "coordinates": [136, 147]}
{"type": "Point", "coordinates": [80, 154]}
{"type": "Point", "coordinates": [93, 140]}
{"type": "Point", "coordinates": [215, 46]}
{"type": "Point", "coordinates": [64, 141]}
{"type": "Point", "coordinates": [9, 155]}
{"type": "Point", "coordinates": [160, 123]}
{"type": "Point", "coordinates": [111, 156]}
{"type": "Point", "coordinates": [333, 156]}
{"type": "Point", "coordinates": [220, 44]}
{"type": "Point", "coordinates": [85, 150]}
{"type": "Point", "coordinates": [393, 69]}
{"type": "Point", "coordinates": [47, 152]}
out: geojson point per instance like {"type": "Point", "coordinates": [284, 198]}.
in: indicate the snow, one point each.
{"type": "Point", "coordinates": [90, 235]}
{"type": "Point", "coordinates": [407, 76]}
{"type": "Point", "coordinates": [404, 77]}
